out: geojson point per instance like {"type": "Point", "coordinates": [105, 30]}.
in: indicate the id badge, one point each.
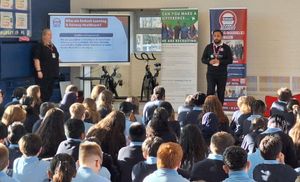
{"type": "Point", "coordinates": [53, 55]}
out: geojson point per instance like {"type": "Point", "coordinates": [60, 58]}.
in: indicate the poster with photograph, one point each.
{"type": "Point", "coordinates": [22, 4]}
{"type": "Point", "coordinates": [179, 26]}
{"type": "Point", "coordinates": [21, 21]}
{"type": "Point", "coordinates": [6, 4]}
{"type": "Point", "coordinates": [6, 20]}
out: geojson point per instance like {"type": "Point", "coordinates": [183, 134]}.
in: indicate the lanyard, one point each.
{"type": "Point", "coordinates": [50, 47]}
{"type": "Point", "coordinates": [216, 53]}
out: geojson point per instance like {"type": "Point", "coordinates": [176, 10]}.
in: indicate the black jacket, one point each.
{"type": "Point", "coordinates": [225, 57]}
{"type": "Point", "coordinates": [274, 173]}
{"type": "Point", "coordinates": [208, 170]}
{"type": "Point", "coordinates": [70, 147]}
{"type": "Point", "coordinates": [127, 158]}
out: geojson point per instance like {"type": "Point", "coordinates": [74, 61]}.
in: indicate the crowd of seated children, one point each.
{"type": "Point", "coordinates": [116, 145]}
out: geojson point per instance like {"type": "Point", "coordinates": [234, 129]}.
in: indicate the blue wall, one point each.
{"type": "Point", "coordinates": [40, 10]}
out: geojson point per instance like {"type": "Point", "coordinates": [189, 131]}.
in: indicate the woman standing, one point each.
{"type": "Point", "coordinates": [46, 64]}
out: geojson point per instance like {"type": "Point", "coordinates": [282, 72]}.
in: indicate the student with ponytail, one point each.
{"type": "Point", "coordinates": [62, 168]}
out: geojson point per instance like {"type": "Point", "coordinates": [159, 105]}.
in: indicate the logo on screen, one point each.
{"type": "Point", "coordinates": [56, 22]}
{"type": "Point", "coordinates": [227, 20]}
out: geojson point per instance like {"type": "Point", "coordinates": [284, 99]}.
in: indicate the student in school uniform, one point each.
{"type": "Point", "coordinates": [4, 164]}
{"type": "Point", "coordinates": [90, 160]}
{"type": "Point", "coordinates": [74, 130]}
{"type": "Point", "coordinates": [130, 155]}
{"type": "Point", "coordinates": [169, 156]}
{"type": "Point", "coordinates": [29, 167]}
{"type": "Point", "coordinates": [236, 165]}
{"type": "Point", "coordinates": [211, 169]}
{"type": "Point", "coordinates": [273, 167]}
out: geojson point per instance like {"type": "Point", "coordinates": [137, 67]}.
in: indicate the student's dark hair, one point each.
{"type": "Point", "coordinates": [159, 93]}
{"type": "Point", "coordinates": [167, 106]}
{"type": "Point", "coordinates": [291, 103]}
{"type": "Point", "coordinates": [218, 30]}
{"type": "Point", "coordinates": [235, 158]}
{"type": "Point", "coordinates": [19, 92]}
{"type": "Point", "coordinates": [26, 101]}
{"type": "Point", "coordinates": [51, 130]}
{"type": "Point", "coordinates": [62, 168]}
{"type": "Point", "coordinates": [151, 145]}
{"type": "Point", "coordinates": [284, 94]}
{"type": "Point", "coordinates": [137, 132]}
{"type": "Point", "coordinates": [199, 98]}
{"type": "Point", "coordinates": [126, 107]}
{"type": "Point", "coordinates": [193, 144]}
{"type": "Point", "coordinates": [280, 122]}
{"type": "Point", "coordinates": [30, 144]}
{"type": "Point", "coordinates": [258, 106]}
{"type": "Point", "coordinates": [74, 128]}
{"type": "Point", "coordinates": [15, 132]}
{"type": "Point", "coordinates": [45, 107]}
{"type": "Point", "coordinates": [258, 124]}
{"type": "Point", "coordinates": [270, 147]}
{"type": "Point", "coordinates": [3, 131]}
{"type": "Point", "coordinates": [159, 121]}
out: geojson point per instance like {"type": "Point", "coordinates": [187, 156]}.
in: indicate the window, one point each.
{"type": "Point", "coordinates": [148, 42]}
{"type": "Point", "coordinates": [148, 32]}
{"type": "Point", "coordinates": [150, 22]}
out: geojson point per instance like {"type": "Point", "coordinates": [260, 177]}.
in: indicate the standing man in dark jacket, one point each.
{"type": "Point", "coordinates": [217, 56]}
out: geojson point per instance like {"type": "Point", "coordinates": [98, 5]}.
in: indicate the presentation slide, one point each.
{"type": "Point", "coordinates": [91, 38]}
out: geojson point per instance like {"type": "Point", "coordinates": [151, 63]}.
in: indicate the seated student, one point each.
{"type": "Point", "coordinates": [97, 89]}
{"type": "Point", "coordinates": [77, 111]}
{"type": "Point", "coordinates": [92, 115]}
{"type": "Point", "coordinates": [104, 103]}
{"type": "Point", "coordinates": [185, 109]}
{"type": "Point", "coordinates": [244, 104]}
{"type": "Point", "coordinates": [211, 169]}
{"type": "Point", "coordinates": [169, 156]}
{"type": "Point", "coordinates": [43, 110]}
{"type": "Point", "coordinates": [126, 108]}
{"type": "Point", "coordinates": [16, 96]}
{"type": "Point", "coordinates": [273, 168]}
{"type": "Point", "coordinates": [68, 99]}
{"type": "Point", "coordinates": [144, 168]}
{"type": "Point", "coordinates": [258, 125]}
{"type": "Point", "coordinates": [31, 115]}
{"type": "Point", "coordinates": [62, 168]}
{"type": "Point", "coordinates": [279, 107]}
{"type": "Point", "coordinates": [107, 163]}
{"type": "Point", "coordinates": [258, 108]}
{"type": "Point", "coordinates": [130, 155]}
{"type": "Point", "coordinates": [29, 167]}
{"type": "Point", "coordinates": [157, 97]}
{"type": "Point", "coordinates": [159, 126]}
{"type": "Point", "coordinates": [254, 159]}
{"type": "Point", "coordinates": [74, 130]}
{"type": "Point", "coordinates": [236, 165]}
{"type": "Point", "coordinates": [3, 132]}
{"type": "Point", "coordinates": [12, 114]}
{"type": "Point", "coordinates": [90, 160]}
{"type": "Point", "coordinates": [15, 132]}
{"type": "Point", "coordinates": [276, 126]}
{"type": "Point", "coordinates": [173, 124]}
{"type": "Point", "coordinates": [3, 164]}
{"type": "Point", "coordinates": [198, 101]}
{"type": "Point", "coordinates": [136, 110]}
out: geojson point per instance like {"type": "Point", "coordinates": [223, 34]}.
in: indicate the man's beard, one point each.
{"type": "Point", "coordinates": [217, 41]}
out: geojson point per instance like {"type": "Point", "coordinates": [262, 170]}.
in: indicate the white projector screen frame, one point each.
{"type": "Point", "coordinates": [92, 62]}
